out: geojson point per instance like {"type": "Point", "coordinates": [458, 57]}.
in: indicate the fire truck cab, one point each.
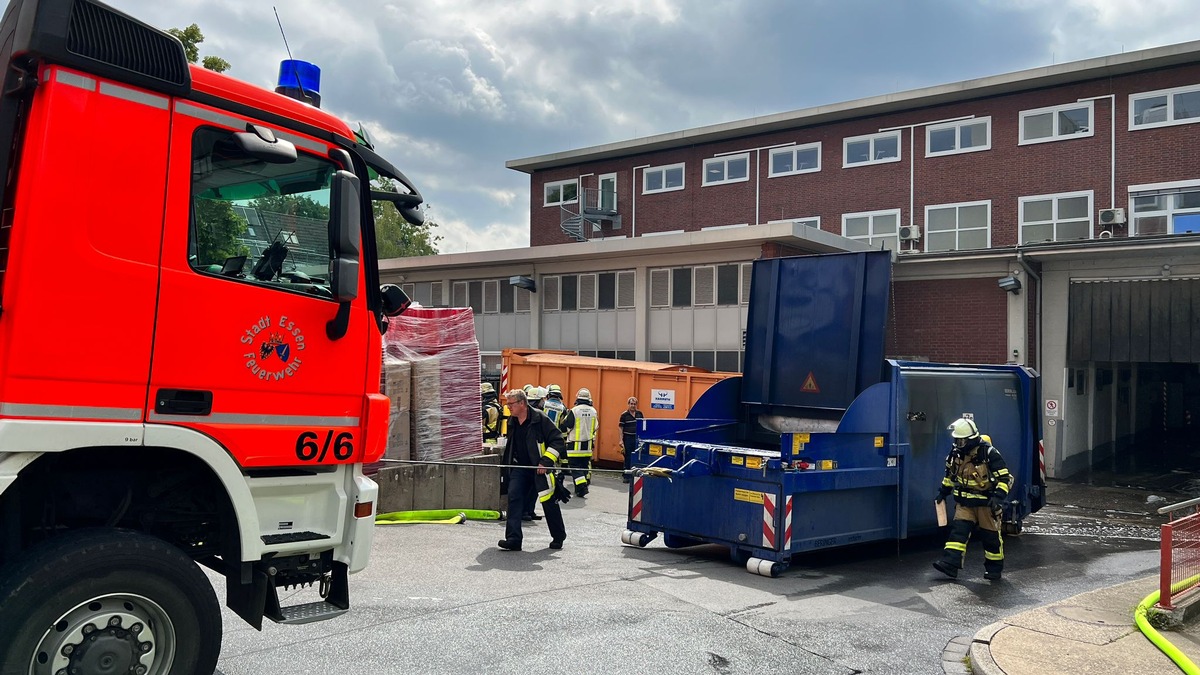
{"type": "Point", "coordinates": [190, 342]}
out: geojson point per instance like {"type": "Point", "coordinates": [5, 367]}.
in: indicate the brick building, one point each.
{"type": "Point", "coordinates": [1049, 217]}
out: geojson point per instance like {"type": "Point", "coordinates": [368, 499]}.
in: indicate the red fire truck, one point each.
{"type": "Point", "coordinates": [212, 398]}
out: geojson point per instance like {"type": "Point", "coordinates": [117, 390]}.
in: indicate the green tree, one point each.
{"type": "Point", "coordinates": [217, 232]}
{"type": "Point", "coordinates": [191, 37]}
{"type": "Point", "coordinates": [395, 237]}
{"type": "Point", "coordinates": [293, 205]}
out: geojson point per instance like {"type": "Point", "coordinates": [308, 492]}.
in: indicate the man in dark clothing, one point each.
{"type": "Point", "coordinates": [979, 480]}
{"type": "Point", "coordinates": [628, 424]}
{"type": "Point", "coordinates": [533, 441]}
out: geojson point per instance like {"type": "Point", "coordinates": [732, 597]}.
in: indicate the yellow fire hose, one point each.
{"type": "Point", "coordinates": [1172, 652]}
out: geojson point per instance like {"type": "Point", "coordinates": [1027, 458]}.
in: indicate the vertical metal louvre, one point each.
{"type": "Point", "coordinates": [491, 297]}
{"type": "Point", "coordinates": [625, 292]}
{"type": "Point", "coordinates": [523, 296]}
{"type": "Point", "coordinates": [458, 294]}
{"type": "Point", "coordinates": [746, 274]}
{"type": "Point", "coordinates": [660, 288]}
{"type": "Point", "coordinates": [550, 293]}
{"type": "Point", "coordinates": [704, 287]}
{"type": "Point", "coordinates": [587, 291]}
{"type": "Point", "coordinates": [435, 294]}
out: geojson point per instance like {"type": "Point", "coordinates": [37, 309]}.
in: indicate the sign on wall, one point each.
{"type": "Point", "coordinates": [1051, 408]}
{"type": "Point", "coordinates": [662, 399]}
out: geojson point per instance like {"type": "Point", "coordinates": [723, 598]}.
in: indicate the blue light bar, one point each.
{"type": "Point", "coordinates": [300, 80]}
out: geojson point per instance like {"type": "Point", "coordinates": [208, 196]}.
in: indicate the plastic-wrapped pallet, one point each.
{"type": "Point", "coordinates": [440, 345]}
{"type": "Point", "coordinates": [397, 374]}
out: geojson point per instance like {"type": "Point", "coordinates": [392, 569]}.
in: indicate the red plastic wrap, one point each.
{"type": "Point", "coordinates": [440, 346]}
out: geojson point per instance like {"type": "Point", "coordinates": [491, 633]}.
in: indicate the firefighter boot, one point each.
{"type": "Point", "coordinates": [947, 569]}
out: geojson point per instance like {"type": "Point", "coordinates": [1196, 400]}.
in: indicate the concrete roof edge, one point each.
{"type": "Point", "coordinates": [792, 234]}
{"type": "Point", "coordinates": [1074, 71]}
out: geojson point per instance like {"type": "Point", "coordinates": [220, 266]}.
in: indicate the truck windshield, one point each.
{"type": "Point", "coordinates": [259, 222]}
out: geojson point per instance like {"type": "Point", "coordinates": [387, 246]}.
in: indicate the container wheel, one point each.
{"type": "Point", "coordinates": [766, 568]}
{"type": "Point", "coordinates": [639, 539]}
{"type": "Point", "coordinates": [95, 601]}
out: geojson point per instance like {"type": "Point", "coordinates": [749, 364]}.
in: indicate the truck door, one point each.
{"type": "Point", "coordinates": [240, 349]}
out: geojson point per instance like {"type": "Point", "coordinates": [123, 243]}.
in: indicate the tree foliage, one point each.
{"type": "Point", "coordinates": [217, 232]}
{"type": "Point", "coordinates": [293, 205]}
{"type": "Point", "coordinates": [191, 37]}
{"type": "Point", "coordinates": [395, 237]}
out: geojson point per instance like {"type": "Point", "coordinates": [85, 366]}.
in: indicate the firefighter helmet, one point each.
{"type": "Point", "coordinates": [964, 432]}
{"type": "Point", "coordinates": [486, 388]}
{"type": "Point", "coordinates": [554, 390]}
{"type": "Point", "coordinates": [536, 393]}
{"type": "Point", "coordinates": [584, 395]}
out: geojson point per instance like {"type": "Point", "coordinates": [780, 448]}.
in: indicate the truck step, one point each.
{"type": "Point", "coordinates": [290, 537]}
{"type": "Point", "coordinates": [309, 612]}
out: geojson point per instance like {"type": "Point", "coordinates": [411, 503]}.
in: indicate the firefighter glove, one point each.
{"type": "Point", "coordinates": [562, 494]}
{"type": "Point", "coordinates": [996, 502]}
{"type": "Point", "coordinates": [943, 492]}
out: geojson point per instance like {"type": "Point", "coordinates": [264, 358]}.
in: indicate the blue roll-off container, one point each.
{"type": "Point", "coordinates": [822, 442]}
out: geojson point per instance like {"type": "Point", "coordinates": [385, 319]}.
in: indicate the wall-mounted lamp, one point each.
{"type": "Point", "coordinates": [1010, 284]}
{"type": "Point", "coordinates": [524, 282]}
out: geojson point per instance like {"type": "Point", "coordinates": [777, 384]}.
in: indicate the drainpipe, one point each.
{"type": "Point", "coordinates": [1038, 303]}
{"type": "Point", "coordinates": [634, 191]}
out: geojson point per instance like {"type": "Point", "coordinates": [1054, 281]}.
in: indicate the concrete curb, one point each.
{"type": "Point", "coordinates": [981, 650]}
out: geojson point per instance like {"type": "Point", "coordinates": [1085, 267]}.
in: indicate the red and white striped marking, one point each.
{"type": "Point", "coordinates": [1042, 461]}
{"type": "Point", "coordinates": [503, 379]}
{"type": "Point", "coordinates": [635, 509]}
{"type": "Point", "coordinates": [768, 521]}
{"type": "Point", "coordinates": [787, 523]}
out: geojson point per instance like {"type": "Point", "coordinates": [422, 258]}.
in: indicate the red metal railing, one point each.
{"type": "Point", "coordinates": [1179, 569]}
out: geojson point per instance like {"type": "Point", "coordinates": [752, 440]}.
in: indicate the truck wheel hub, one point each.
{"type": "Point", "coordinates": [109, 634]}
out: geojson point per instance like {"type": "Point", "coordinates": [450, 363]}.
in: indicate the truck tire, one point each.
{"type": "Point", "coordinates": [107, 600]}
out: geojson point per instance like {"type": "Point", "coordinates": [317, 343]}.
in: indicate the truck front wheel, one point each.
{"type": "Point", "coordinates": [114, 601]}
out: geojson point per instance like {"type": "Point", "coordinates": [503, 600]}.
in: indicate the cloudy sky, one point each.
{"type": "Point", "coordinates": [451, 89]}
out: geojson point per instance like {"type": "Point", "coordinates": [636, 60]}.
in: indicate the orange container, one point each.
{"type": "Point", "coordinates": [663, 391]}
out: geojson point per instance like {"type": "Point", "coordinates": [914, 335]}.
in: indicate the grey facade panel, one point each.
{"type": "Point", "coordinates": [659, 337]}
{"type": "Point", "coordinates": [588, 332]}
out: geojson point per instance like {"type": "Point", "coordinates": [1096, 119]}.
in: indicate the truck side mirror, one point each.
{"type": "Point", "coordinates": [261, 144]}
{"type": "Point", "coordinates": [345, 206]}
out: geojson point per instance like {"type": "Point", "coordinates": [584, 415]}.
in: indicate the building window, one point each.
{"type": "Point", "coordinates": [877, 228]}
{"type": "Point", "coordinates": [747, 273]}
{"type": "Point", "coordinates": [568, 287]}
{"type": "Point", "coordinates": [561, 192]}
{"type": "Point", "coordinates": [491, 297]}
{"type": "Point", "coordinates": [607, 201]}
{"type": "Point", "coordinates": [660, 288]}
{"type": "Point", "coordinates": [681, 287]}
{"type": "Point", "coordinates": [731, 169]}
{"type": "Point", "coordinates": [508, 295]}
{"type": "Point", "coordinates": [1060, 217]}
{"type": "Point", "coordinates": [625, 292]}
{"type": "Point", "coordinates": [1166, 211]}
{"type": "Point", "coordinates": [727, 284]}
{"type": "Point", "coordinates": [952, 138]}
{"type": "Point", "coordinates": [606, 287]}
{"type": "Point", "coordinates": [524, 299]}
{"type": "Point", "coordinates": [662, 179]}
{"type": "Point", "coordinates": [958, 227]}
{"type": "Point", "coordinates": [587, 291]}
{"type": "Point", "coordinates": [871, 149]}
{"type": "Point", "coordinates": [1163, 108]}
{"type": "Point", "coordinates": [458, 294]}
{"type": "Point", "coordinates": [795, 159]}
{"type": "Point", "coordinates": [1073, 120]}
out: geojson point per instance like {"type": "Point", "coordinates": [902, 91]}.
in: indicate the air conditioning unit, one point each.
{"type": "Point", "coordinates": [1112, 216]}
{"type": "Point", "coordinates": [910, 233]}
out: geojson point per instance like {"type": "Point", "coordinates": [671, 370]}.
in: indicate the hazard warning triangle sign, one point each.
{"type": "Point", "coordinates": [810, 384]}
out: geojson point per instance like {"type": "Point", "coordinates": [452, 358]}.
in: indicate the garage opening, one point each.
{"type": "Point", "coordinates": [1134, 352]}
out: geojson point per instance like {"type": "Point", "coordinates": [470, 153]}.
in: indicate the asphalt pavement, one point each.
{"type": "Point", "coordinates": [445, 599]}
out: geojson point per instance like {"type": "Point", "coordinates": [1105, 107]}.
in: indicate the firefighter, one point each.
{"type": "Point", "coordinates": [979, 480]}
{"type": "Point", "coordinates": [532, 441]}
{"type": "Point", "coordinates": [492, 413]}
{"type": "Point", "coordinates": [579, 424]}
{"type": "Point", "coordinates": [553, 406]}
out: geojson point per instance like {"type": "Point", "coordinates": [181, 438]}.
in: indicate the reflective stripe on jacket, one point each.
{"type": "Point", "coordinates": [583, 430]}
{"type": "Point", "coordinates": [976, 476]}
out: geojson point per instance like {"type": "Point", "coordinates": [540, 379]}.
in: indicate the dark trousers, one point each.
{"type": "Point", "coordinates": [523, 486]}
{"type": "Point", "coordinates": [967, 520]}
{"type": "Point", "coordinates": [630, 443]}
{"type": "Point", "coordinates": [581, 472]}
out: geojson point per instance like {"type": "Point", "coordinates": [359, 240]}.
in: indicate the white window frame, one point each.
{"type": "Point", "coordinates": [957, 126]}
{"type": "Point", "coordinates": [1090, 194]}
{"type": "Point", "coordinates": [846, 164]}
{"type": "Point", "coordinates": [600, 191]}
{"type": "Point", "coordinates": [663, 169]}
{"type": "Point", "coordinates": [724, 160]}
{"type": "Point", "coordinates": [1170, 96]}
{"type": "Point", "coordinates": [711, 270]}
{"type": "Point", "coordinates": [546, 187]}
{"type": "Point", "coordinates": [1056, 135]}
{"type": "Point", "coordinates": [1169, 189]}
{"type": "Point", "coordinates": [957, 228]}
{"type": "Point", "coordinates": [631, 278]}
{"type": "Point", "coordinates": [793, 150]}
{"type": "Point", "coordinates": [871, 234]}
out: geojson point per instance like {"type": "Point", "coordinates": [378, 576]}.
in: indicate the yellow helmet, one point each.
{"type": "Point", "coordinates": [964, 432]}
